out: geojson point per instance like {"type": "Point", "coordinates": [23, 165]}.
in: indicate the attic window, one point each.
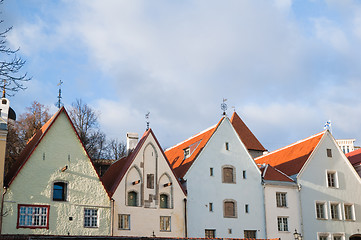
{"type": "Point", "coordinates": [187, 153]}
{"type": "Point", "coordinates": [329, 152]}
{"type": "Point", "coordinates": [227, 146]}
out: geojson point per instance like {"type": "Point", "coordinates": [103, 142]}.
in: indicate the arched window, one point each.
{"type": "Point", "coordinates": [164, 201]}
{"type": "Point", "coordinates": [132, 199]}
{"type": "Point", "coordinates": [228, 175]}
{"type": "Point", "coordinates": [59, 191]}
{"type": "Point", "coordinates": [229, 208]}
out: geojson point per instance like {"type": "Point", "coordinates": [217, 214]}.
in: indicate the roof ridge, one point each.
{"type": "Point", "coordinates": [291, 145]}
{"type": "Point", "coordinates": [196, 135]}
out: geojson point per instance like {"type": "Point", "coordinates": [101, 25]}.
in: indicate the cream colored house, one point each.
{"type": "Point", "coordinates": [147, 198]}
{"type": "Point", "coordinates": [53, 189]}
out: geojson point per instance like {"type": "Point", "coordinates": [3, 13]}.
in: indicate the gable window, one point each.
{"type": "Point", "coordinates": [165, 223]}
{"type": "Point", "coordinates": [250, 234]}
{"type": "Point", "coordinates": [244, 174]}
{"type": "Point", "coordinates": [348, 208]}
{"type": "Point", "coordinates": [332, 179]}
{"type": "Point", "coordinates": [59, 191]}
{"type": "Point", "coordinates": [164, 201]}
{"type": "Point", "coordinates": [124, 221]}
{"type": "Point", "coordinates": [282, 223]}
{"type": "Point", "coordinates": [320, 210]}
{"type": "Point", "coordinates": [229, 209]}
{"type": "Point", "coordinates": [228, 175]}
{"type": "Point", "coordinates": [90, 217]}
{"type": "Point", "coordinates": [150, 181]}
{"type": "Point", "coordinates": [281, 199]}
{"type": "Point", "coordinates": [335, 211]}
{"type": "Point", "coordinates": [132, 199]}
{"type": "Point", "coordinates": [246, 208]}
{"type": "Point", "coordinates": [33, 216]}
{"type": "Point", "coordinates": [211, 171]}
{"type": "Point", "coordinates": [329, 152]}
{"type": "Point", "coordinates": [211, 207]}
{"type": "Point", "coordinates": [227, 146]}
{"type": "Point", "coordinates": [210, 233]}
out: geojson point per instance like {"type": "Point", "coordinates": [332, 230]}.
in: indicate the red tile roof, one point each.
{"type": "Point", "coordinates": [175, 154]}
{"type": "Point", "coordinates": [354, 157]}
{"type": "Point", "coordinates": [115, 173]}
{"type": "Point", "coordinates": [291, 158]}
{"type": "Point", "coordinates": [272, 174]}
{"type": "Point", "coordinates": [32, 145]}
{"type": "Point", "coordinates": [247, 137]}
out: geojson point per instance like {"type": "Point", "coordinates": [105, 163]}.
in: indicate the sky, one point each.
{"type": "Point", "coordinates": [285, 66]}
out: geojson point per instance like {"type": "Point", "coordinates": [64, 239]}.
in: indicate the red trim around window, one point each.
{"type": "Point", "coordinates": [31, 205]}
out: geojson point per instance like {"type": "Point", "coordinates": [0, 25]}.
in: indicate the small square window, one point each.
{"type": "Point", "coordinates": [282, 224]}
{"type": "Point", "coordinates": [329, 152]}
{"type": "Point", "coordinates": [165, 223]}
{"type": "Point", "coordinates": [210, 233]}
{"type": "Point", "coordinates": [124, 221]}
{"type": "Point", "coordinates": [90, 217]}
{"type": "Point", "coordinates": [281, 199]}
{"type": "Point", "coordinates": [250, 233]}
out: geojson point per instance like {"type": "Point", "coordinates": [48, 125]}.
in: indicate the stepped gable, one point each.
{"type": "Point", "coordinates": [354, 157]}
{"type": "Point", "coordinates": [290, 159]}
{"type": "Point", "coordinates": [175, 154]}
{"type": "Point", "coordinates": [270, 173]}
{"type": "Point", "coordinates": [33, 143]}
{"type": "Point", "coordinates": [247, 137]}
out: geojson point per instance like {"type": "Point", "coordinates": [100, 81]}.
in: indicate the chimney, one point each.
{"type": "Point", "coordinates": [132, 140]}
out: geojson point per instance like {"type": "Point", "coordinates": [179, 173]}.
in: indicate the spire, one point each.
{"type": "Point", "coordinates": [59, 104]}
{"type": "Point", "coordinates": [147, 119]}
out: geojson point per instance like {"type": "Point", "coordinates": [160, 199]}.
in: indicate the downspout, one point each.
{"type": "Point", "coordinates": [2, 208]}
{"type": "Point", "coordinates": [264, 207]}
{"type": "Point", "coordinates": [299, 198]}
{"type": "Point", "coordinates": [112, 217]}
{"type": "Point", "coordinates": [185, 218]}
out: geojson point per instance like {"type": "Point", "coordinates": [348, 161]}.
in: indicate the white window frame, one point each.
{"type": "Point", "coordinates": [335, 179]}
{"type": "Point", "coordinates": [352, 212]}
{"type": "Point", "coordinates": [124, 221]}
{"type": "Point", "coordinates": [89, 214]}
{"type": "Point", "coordinates": [323, 234]}
{"type": "Point", "coordinates": [341, 235]}
{"type": "Point", "coordinates": [165, 224]}
{"type": "Point", "coordinates": [282, 224]}
{"type": "Point", "coordinates": [281, 199]}
{"type": "Point", "coordinates": [33, 216]}
{"type": "Point", "coordinates": [324, 210]}
{"type": "Point", "coordinates": [338, 211]}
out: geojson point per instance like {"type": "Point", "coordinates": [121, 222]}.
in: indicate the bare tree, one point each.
{"type": "Point", "coordinates": [11, 79]}
{"type": "Point", "coordinates": [116, 149]}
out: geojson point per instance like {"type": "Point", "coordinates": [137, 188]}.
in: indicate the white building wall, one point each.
{"type": "Point", "coordinates": [313, 181]}
{"type": "Point", "coordinates": [203, 189]}
{"type": "Point", "coordinates": [145, 218]}
{"type": "Point", "coordinates": [291, 211]}
{"type": "Point", "coordinates": [60, 147]}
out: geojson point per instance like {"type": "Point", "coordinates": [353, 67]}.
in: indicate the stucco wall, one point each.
{"type": "Point", "coordinates": [145, 218]}
{"type": "Point", "coordinates": [314, 188]}
{"type": "Point", "coordinates": [204, 189]}
{"type": "Point", "coordinates": [33, 185]}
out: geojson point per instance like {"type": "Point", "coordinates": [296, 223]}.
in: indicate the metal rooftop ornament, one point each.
{"type": "Point", "coordinates": [147, 119]}
{"type": "Point", "coordinates": [224, 106]}
{"type": "Point", "coordinates": [59, 104]}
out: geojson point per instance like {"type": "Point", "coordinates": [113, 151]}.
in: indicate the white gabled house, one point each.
{"type": "Point", "coordinates": [223, 183]}
{"type": "Point", "coordinates": [148, 200]}
{"type": "Point", "coordinates": [53, 188]}
{"type": "Point", "coordinates": [330, 188]}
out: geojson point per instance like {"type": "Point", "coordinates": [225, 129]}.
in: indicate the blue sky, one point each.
{"type": "Point", "coordinates": [287, 66]}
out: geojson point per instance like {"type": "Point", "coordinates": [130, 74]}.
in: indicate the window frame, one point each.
{"type": "Point", "coordinates": [167, 201]}
{"type": "Point", "coordinates": [64, 192]}
{"type": "Point", "coordinates": [282, 224]}
{"type": "Point", "coordinates": [338, 212]}
{"type": "Point", "coordinates": [209, 233]}
{"type": "Point", "coordinates": [210, 207]}
{"type": "Point", "coordinates": [250, 234]}
{"type": "Point", "coordinates": [91, 217]}
{"type": "Point", "coordinates": [227, 146]}
{"type": "Point", "coordinates": [234, 215]}
{"type": "Point", "coordinates": [224, 174]}
{"type": "Point", "coordinates": [47, 207]}
{"type": "Point", "coordinates": [324, 210]}
{"type": "Point", "coordinates": [163, 220]}
{"type": "Point", "coordinates": [123, 218]}
{"type": "Point", "coordinates": [352, 212]}
{"type": "Point", "coordinates": [136, 198]}
{"type": "Point", "coordinates": [150, 180]}
{"type": "Point", "coordinates": [329, 152]}
{"type": "Point", "coordinates": [281, 199]}
{"type": "Point", "coordinates": [332, 182]}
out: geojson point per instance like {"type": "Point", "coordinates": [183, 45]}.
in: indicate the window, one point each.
{"type": "Point", "coordinates": [165, 223]}
{"type": "Point", "coordinates": [246, 209]}
{"type": "Point", "coordinates": [337, 237]}
{"type": "Point", "coordinates": [282, 224]}
{"type": "Point", "coordinates": [210, 233]}
{"type": "Point", "coordinates": [348, 208]}
{"type": "Point", "coordinates": [124, 221]}
{"type": "Point", "coordinates": [329, 152]}
{"type": "Point", "coordinates": [281, 199]}
{"type": "Point", "coordinates": [227, 146]}
{"type": "Point", "coordinates": [320, 210]}
{"type": "Point", "coordinates": [244, 174]}
{"type": "Point", "coordinates": [164, 201]}
{"type": "Point", "coordinates": [228, 175]}
{"type": "Point", "coordinates": [59, 191]}
{"type": "Point", "coordinates": [132, 199]}
{"type": "Point", "coordinates": [211, 171]}
{"type": "Point", "coordinates": [335, 214]}
{"type": "Point", "coordinates": [250, 234]}
{"type": "Point", "coordinates": [211, 207]}
{"type": "Point", "coordinates": [33, 216]}
{"type": "Point", "coordinates": [229, 209]}
{"type": "Point", "coordinates": [90, 217]}
{"type": "Point", "coordinates": [323, 237]}
{"type": "Point", "coordinates": [150, 181]}
{"type": "Point", "coordinates": [187, 153]}
{"type": "Point", "coordinates": [331, 179]}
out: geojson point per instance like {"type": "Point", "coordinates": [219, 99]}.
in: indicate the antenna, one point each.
{"type": "Point", "coordinates": [147, 120]}
{"type": "Point", "coordinates": [224, 106]}
{"type": "Point", "coordinates": [59, 104]}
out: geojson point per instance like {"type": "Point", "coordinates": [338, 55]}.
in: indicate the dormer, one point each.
{"type": "Point", "coordinates": [187, 152]}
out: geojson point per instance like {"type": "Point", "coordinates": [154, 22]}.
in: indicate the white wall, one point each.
{"type": "Point", "coordinates": [203, 188]}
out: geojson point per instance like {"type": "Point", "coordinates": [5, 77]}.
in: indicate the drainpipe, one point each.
{"type": "Point", "coordinates": [2, 209]}
{"type": "Point", "coordinates": [265, 209]}
{"type": "Point", "coordinates": [112, 217]}
{"type": "Point", "coordinates": [300, 202]}
{"type": "Point", "coordinates": [185, 218]}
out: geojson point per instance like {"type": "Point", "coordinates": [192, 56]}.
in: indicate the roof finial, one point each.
{"type": "Point", "coordinates": [328, 126]}
{"type": "Point", "coordinates": [59, 104]}
{"type": "Point", "coordinates": [147, 120]}
{"type": "Point", "coordinates": [224, 106]}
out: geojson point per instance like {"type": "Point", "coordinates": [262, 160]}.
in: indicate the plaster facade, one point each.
{"type": "Point", "coordinates": [59, 157]}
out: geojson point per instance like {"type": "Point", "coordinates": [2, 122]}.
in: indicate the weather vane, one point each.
{"type": "Point", "coordinates": [224, 106]}
{"type": "Point", "coordinates": [147, 119]}
{"type": "Point", "coordinates": [59, 104]}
